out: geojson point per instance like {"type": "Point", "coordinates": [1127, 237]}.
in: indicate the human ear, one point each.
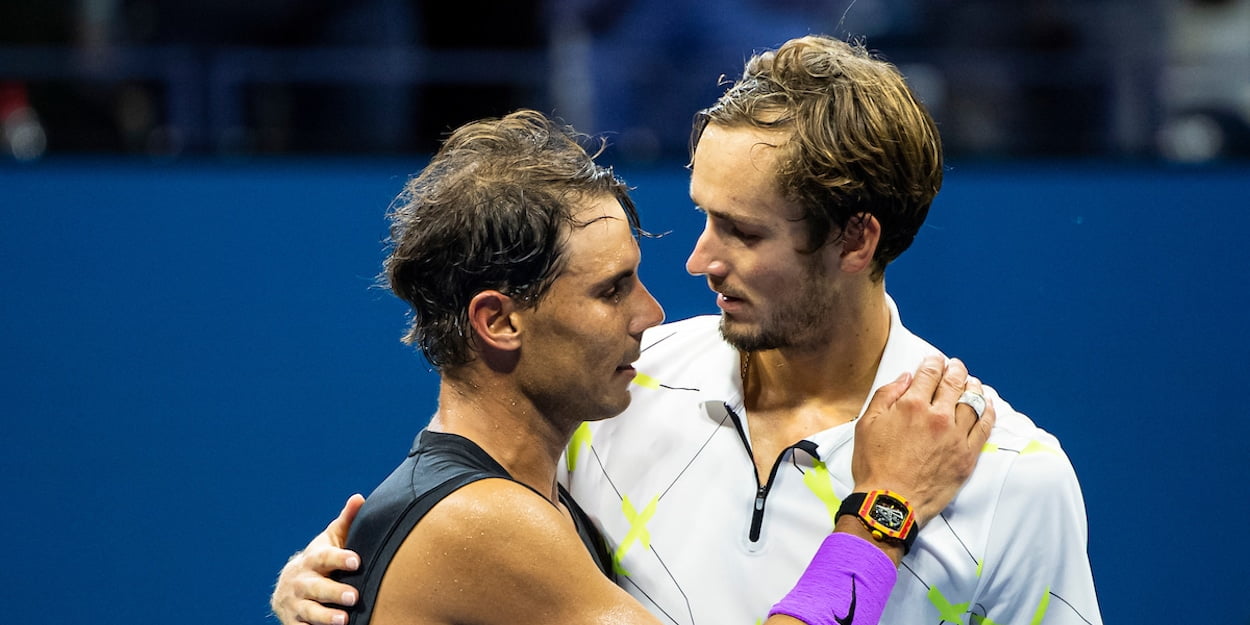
{"type": "Point", "coordinates": [491, 317]}
{"type": "Point", "coordinates": [860, 238]}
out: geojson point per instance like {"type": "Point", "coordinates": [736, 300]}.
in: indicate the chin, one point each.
{"type": "Point", "coordinates": [617, 407]}
{"type": "Point", "coordinates": [604, 416]}
{"type": "Point", "coordinates": [743, 337]}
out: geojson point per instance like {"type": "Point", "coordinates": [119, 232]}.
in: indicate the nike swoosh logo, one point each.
{"type": "Point", "coordinates": [849, 619]}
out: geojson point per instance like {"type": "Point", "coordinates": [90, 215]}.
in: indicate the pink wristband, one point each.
{"type": "Point", "coordinates": [847, 582]}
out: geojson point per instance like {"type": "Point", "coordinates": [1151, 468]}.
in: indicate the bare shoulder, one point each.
{"type": "Point", "coordinates": [498, 524]}
{"type": "Point", "coordinates": [497, 552]}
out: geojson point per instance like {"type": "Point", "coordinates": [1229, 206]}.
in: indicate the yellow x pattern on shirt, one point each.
{"type": "Point", "coordinates": [947, 611]}
{"type": "Point", "coordinates": [637, 531]}
{"type": "Point", "coordinates": [820, 483]}
{"type": "Point", "coordinates": [952, 612]}
{"type": "Point", "coordinates": [581, 436]}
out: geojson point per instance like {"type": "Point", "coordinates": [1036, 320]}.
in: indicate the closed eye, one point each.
{"type": "Point", "coordinates": [731, 227]}
{"type": "Point", "coordinates": [745, 237]}
{"type": "Point", "coordinates": [733, 230]}
{"type": "Point", "coordinates": [619, 288]}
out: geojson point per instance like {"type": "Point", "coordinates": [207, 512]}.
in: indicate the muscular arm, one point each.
{"type": "Point", "coordinates": [495, 553]}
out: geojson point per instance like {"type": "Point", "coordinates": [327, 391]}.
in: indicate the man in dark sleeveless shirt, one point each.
{"type": "Point", "coordinates": [516, 252]}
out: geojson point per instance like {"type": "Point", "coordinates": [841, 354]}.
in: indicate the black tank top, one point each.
{"type": "Point", "coordinates": [437, 466]}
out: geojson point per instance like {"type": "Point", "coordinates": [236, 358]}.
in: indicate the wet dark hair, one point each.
{"type": "Point", "coordinates": [490, 212]}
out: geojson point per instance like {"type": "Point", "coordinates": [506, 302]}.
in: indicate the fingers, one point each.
{"type": "Point", "coordinates": [939, 382]}
{"type": "Point", "coordinates": [922, 443]}
{"type": "Point", "coordinates": [311, 587]}
{"type": "Point", "coordinates": [954, 379]}
{"type": "Point", "coordinates": [888, 394]}
{"type": "Point", "coordinates": [966, 419]}
{"type": "Point", "coordinates": [313, 613]}
{"type": "Point", "coordinates": [305, 582]}
{"type": "Point", "coordinates": [325, 590]}
{"type": "Point", "coordinates": [304, 585]}
{"type": "Point", "coordinates": [928, 376]}
{"type": "Point", "coordinates": [324, 559]}
{"type": "Point", "coordinates": [336, 531]}
{"type": "Point", "coordinates": [980, 431]}
{"type": "Point", "coordinates": [965, 415]}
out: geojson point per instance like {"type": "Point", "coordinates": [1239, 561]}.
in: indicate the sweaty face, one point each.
{"type": "Point", "coordinates": [580, 340]}
{"type": "Point", "coordinates": [770, 294]}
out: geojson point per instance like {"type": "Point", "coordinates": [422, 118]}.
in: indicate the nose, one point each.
{"type": "Point", "coordinates": [703, 258]}
{"type": "Point", "coordinates": [649, 313]}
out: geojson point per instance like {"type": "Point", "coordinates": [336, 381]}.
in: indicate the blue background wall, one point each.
{"type": "Point", "coordinates": [195, 372]}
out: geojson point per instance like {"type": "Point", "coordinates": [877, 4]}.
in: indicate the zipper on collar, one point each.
{"type": "Point", "coordinates": [762, 488]}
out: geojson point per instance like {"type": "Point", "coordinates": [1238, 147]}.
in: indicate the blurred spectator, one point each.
{"type": "Point", "coordinates": [52, 114]}
{"type": "Point", "coordinates": [1032, 78]}
{"type": "Point", "coordinates": [1205, 87]}
{"type": "Point", "coordinates": [21, 133]}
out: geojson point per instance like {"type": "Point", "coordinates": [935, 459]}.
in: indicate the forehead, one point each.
{"type": "Point", "coordinates": [734, 172]}
{"type": "Point", "coordinates": [600, 242]}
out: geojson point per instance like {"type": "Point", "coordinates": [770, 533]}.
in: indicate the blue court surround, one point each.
{"type": "Point", "coordinates": [194, 370]}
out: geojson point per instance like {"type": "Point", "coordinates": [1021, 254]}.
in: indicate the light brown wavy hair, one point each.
{"type": "Point", "coordinates": [860, 143]}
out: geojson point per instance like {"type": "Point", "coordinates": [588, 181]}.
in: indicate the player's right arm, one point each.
{"type": "Point", "coordinates": [496, 553]}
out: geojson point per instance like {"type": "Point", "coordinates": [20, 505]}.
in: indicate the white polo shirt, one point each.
{"type": "Point", "coordinates": [672, 484]}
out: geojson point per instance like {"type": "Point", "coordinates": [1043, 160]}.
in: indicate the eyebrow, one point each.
{"type": "Point", "coordinates": [737, 219]}
{"type": "Point", "coordinates": [614, 278]}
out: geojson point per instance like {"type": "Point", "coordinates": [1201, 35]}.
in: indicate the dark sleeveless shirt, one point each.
{"type": "Point", "coordinates": [437, 466]}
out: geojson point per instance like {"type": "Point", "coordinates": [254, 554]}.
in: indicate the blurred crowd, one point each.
{"type": "Point", "coordinates": [1026, 79]}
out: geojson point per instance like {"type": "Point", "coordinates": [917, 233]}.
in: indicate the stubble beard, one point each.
{"type": "Point", "coordinates": [801, 322]}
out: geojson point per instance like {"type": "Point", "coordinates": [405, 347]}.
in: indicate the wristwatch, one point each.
{"type": "Point", "coordinates": [886, 514]}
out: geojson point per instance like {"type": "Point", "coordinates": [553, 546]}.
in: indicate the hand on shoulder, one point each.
{"type": "Point", "coordinates": [916, 439]}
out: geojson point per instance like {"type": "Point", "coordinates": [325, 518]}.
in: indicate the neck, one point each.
{"type": "Point", "coordinates": [506, 426]}
{"type": "Point", "coordinates": [838, 369]}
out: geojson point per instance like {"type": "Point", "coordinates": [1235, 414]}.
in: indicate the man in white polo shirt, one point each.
{"type": "Point", "coordinates": [815, 170]}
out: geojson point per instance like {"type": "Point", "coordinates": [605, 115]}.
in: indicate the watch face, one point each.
{"type": "Point", "coordinates": [889, 513]}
